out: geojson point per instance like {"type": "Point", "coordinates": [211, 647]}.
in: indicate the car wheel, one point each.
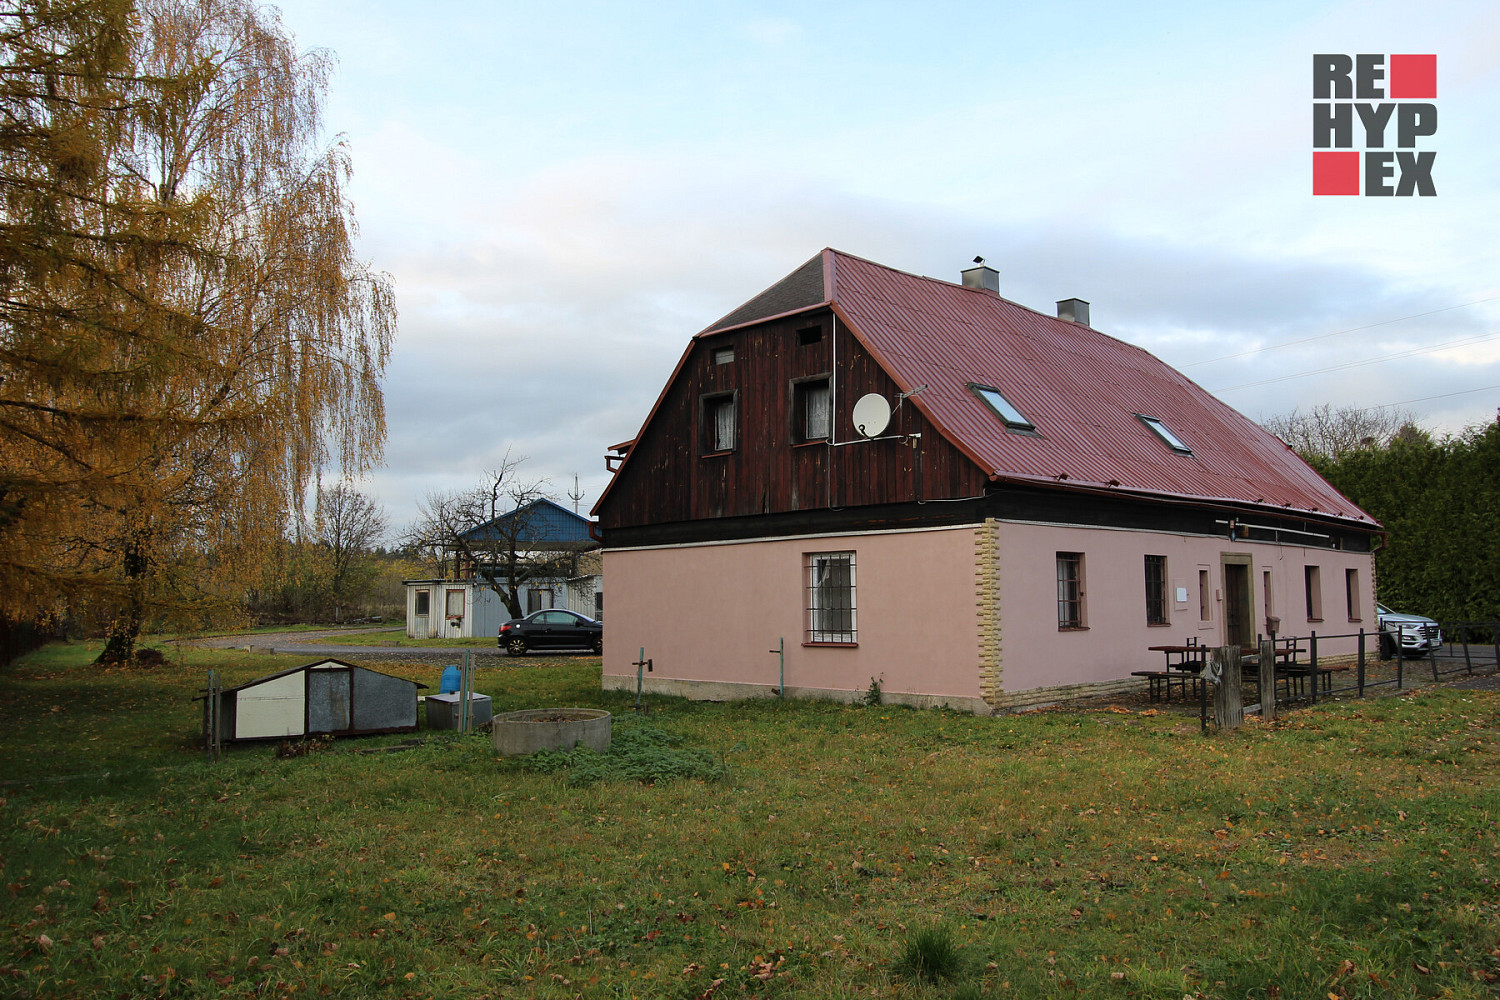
{"type": "Point", "coordinates": [516, 646]}
{"type": "Point", "coordinates": [599, 646]}
{"type": "Point", "coordinates": [1387, 646]}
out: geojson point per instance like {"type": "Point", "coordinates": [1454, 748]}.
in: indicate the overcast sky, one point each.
{"type": "Point", "coordinates": [563, 193]}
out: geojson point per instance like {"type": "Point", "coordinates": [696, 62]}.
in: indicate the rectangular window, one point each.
{"type": "Point", "coordinates": [1156, 590]}
{"type": "Point", "coordinates": [810, 410]}
{"type": "Point", "coordinates": [538, 599]}
{"type": "Point", "coordinates": [1070, 590]}
{"type": "Point", "coordinates": [1205, 597]}
{"type": "Point", "coordinates": [723, 355]}
{"type": "Point", "coordinates": [1013, 418]}
{"type": "Point", "coordinates": [1314, 594]}
{"type": "Point", "coordinates": [1164, 432]}
{"type": "Point", "coordinates": [455, 604]}
{"type": "Point", "coordinates": [1265, 586]}
{"type": "Point", "coordinates": [423, 602]}
{"type": "Point", "coordinates": [598, 605]}
{"type": "Point", "coordinates": [809, 335]}
{"type": "Point", "coordinates": [717, 429]}
{"type": "Point", "coordinates": [830, 597]}
{"type": "Point", "coordinates": [1351, 593]}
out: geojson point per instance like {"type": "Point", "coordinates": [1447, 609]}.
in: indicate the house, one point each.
{"type": "Point", "coordinates": [1032, 504]}
{"type": "Point", "coordinates": [540, 533]}
{"type": "Point", "coordinates": [325, 697]}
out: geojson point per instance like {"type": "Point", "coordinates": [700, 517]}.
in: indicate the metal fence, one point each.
{"type": "Point", "coordinates": [1381, 660]}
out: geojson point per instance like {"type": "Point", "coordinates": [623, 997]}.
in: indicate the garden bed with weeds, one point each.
{"type": "Point", "coordinates": [766, 849]}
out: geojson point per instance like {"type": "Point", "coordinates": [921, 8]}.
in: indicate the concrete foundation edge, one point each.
{"type": "Point", "coordinates": [1005, 702]}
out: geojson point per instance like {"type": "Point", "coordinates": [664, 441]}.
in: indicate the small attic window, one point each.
{"type": "Point", "coordinates": [1165, 433]}
{"type": "Point", "coordinates": [723, 355]}
{"type": "Point", "coordinates": [809, 335]}
{"type": "Point", "coordinates": [1013, 418]}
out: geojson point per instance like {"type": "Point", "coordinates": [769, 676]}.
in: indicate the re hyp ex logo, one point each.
{"type": "Point", "coordinates": [1385, 101]}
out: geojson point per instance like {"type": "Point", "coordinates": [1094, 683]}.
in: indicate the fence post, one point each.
{"type": "Point", "coordinates": [1229, 705]}
{"type": "Point", "coordinates": [1312, 664]}
{"type": "Point", "coordinates": [1495, 634]}
{"type": "Point", "coordinates": [1468, 663]}
{"type": "Point", "coordinates": [1400, 659]}
{"type": "Point", "coordinates": [1267, 676]}
{"type": "Point", "coordinates": [1360, 681]}
{"type": "Point", "coordinates": [1432, 654]}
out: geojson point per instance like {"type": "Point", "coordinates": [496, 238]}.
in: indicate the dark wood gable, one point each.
{"type": "Point", "coordinates": [676, 470]}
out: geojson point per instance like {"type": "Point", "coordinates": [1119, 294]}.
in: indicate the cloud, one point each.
{"type": "Point", "coordinates": [550, 322]}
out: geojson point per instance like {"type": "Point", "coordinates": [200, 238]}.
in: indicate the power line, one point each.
{"type": "Point", "coordinates": [1441, 395]}
{"type": "Point", "coordinates": [1413, 352]}
{"type": "Point", "coordinates": [1336, 333]}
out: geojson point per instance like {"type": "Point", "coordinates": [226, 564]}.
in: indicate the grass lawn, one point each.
{"type": "Point", "coordinates": [1348, 851]}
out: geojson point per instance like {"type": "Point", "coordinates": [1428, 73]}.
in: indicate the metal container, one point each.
{"type": "Point", "coordinates": [443, 710]}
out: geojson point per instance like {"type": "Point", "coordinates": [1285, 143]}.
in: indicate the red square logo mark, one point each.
{"type": "Point", "coordinates": [1413, 76]}
{"type": "Point", "coordinates": [1335, 173]}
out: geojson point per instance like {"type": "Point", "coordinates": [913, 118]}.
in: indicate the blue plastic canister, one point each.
{"type": "Point", "coordinates": [449, 683]}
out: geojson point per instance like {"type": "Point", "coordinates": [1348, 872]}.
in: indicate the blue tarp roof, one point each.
{"type": "Point", "coordinates": [541, 523]}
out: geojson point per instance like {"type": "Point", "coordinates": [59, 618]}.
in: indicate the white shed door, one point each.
{"type": "Point", "coordinates": [276, 707]}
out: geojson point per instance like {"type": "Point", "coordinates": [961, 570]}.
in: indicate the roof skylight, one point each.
{"type": "Point", "coordinates": [1014, 419]}
{"type": "Point", "coordinates": [1165, 433]}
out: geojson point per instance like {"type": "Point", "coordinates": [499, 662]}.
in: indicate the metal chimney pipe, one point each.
{"type": "Point", "coordinates": [1073, 310]}
{"type": "Point", "coordinates": [983, 277]}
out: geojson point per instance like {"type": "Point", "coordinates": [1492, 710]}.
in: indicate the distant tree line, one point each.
{"type": "Point", "coordinates": [333, 566]}
{"type": "Point", "coordinates": [1438, 498]}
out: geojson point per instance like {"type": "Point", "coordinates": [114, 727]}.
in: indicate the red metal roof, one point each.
{"type": "Point", "coordinates": [1081, 388]}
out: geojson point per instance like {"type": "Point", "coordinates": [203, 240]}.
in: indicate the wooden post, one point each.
{"type": "Point", "coordinates": [1361, 675]}
{"type": "Point", "coordinates": [1267, 679]}
{"type": "Point", "coordinates": [1229, 706]}
{"type": "Point", "coordinates": [1312, 664]}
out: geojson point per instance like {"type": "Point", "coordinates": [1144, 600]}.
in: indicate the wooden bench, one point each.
{"type": "Point", "coordinates": [1161, 682]}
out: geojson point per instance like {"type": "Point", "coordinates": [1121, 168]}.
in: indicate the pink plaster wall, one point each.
{"type": "Point", "coordinates": [1035, 653]}
{"type": "Point", "coordinates": [712, 613]}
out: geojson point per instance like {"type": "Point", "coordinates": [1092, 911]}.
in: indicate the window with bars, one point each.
{"type": "Point", "coordinates": [811, 400]}
{"type": "Point", "coordinates": [1070, 590]}
{"type": "Point", "coordinates": [1156, 590]}
{"type": "Point", "coordinates": [718, 427]}
{"type": "Point", "coordinates": [830, 597]}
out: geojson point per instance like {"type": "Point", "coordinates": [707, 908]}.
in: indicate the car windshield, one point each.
{"type": "Point", "coordinates": [1382, 609]}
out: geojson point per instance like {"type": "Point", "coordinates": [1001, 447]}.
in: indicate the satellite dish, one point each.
{"type": "Point", "coordinates": [871, 414]}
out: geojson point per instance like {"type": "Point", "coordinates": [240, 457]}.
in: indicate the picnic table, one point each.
{"type": "Point", "coordinates": [1184, 663]}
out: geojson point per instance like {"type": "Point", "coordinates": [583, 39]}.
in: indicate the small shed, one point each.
{"type": "Point", "coordinates": [326, 697]}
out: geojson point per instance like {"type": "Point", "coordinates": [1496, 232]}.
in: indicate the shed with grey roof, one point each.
{"type": "Point", "coordinates": [327, 697]}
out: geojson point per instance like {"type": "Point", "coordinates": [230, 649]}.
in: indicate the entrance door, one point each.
{"type": "Point", "coordinates": [1238, 604]}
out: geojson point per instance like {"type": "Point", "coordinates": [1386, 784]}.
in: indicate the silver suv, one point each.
{"type": "Point", "coordinates": [1417, 635]}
